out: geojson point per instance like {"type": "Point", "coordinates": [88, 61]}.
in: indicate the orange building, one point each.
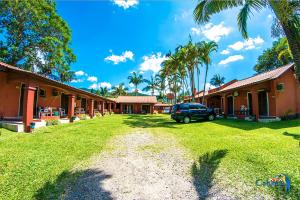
{"type": "Point", "coordinates": [265, 96]}
{"type": "Point", "coordinates": [26, 97]}
{"type": "Point", "coordinates": [135, 104]}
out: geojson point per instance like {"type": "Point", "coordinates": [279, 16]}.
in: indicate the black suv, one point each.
{"type": "Point", "coordinates": [185, 112]}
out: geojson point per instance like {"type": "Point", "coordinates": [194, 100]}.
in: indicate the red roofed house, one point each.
{"type": "Point", "coordinates": [135, 104]}
{"type": "Point", "coordinates": [26, 97]}
{"type": "Point", "coordinates": [268, 95]}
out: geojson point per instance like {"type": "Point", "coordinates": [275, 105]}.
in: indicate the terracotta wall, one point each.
{"type": "Point", "coordinates": [9, 97]}
{"type": "Point", "coordinates": [289, 98]}
{"type": "Point", "coordinates": [49, 100]}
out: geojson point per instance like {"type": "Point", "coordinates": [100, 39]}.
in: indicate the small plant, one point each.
{"type": "Point", "coordinates": [98, 114]}
{"type": "Point", "coordinates": [287, 114]}
{"type": "Point", "coordinates": [52, 122]}
{"type": "Point", "coordinates": [83, 117]}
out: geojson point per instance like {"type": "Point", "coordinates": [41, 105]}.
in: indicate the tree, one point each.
{"type": "Point", "coordinates": [286, 12]}
{"type": "Point", "coordinates": [217, 80]}
{"type": "Point", "coordinates": [276, 56]}
{"type": "Point", "coordinates": [160, 79]}
{"type": "Point", "coordinates": [135, 79]}
{"type": "Point", "coordinates": [104, 91]}
{"type": "Point", "coordinates": [152, 85]}
{"type": "Point", "coordinates": [35, 38]}
{"type": "Point", "coordinates": [119, 90]}
{"type": "Point", "coordinates": [205, 49]}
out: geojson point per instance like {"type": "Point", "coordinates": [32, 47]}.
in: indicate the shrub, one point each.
{"type": "Point", "coordinates": [83, 117]}
{"type": "Point", "coordinates": [98, 114]}
{"type": "Point", "coordinates": [287, 114]}
{"type": "Point", "coordinates": [52, 122]}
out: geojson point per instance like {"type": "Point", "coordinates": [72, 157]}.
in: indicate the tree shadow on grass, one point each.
{"type": "Point", "coordinates": [203, 171]}
{"type": "Point", "coordinates": [295, 136]}
{"type": "Point", "coordinates": [85, 184]}
{"type": "Point", "coordinates": [246, 125]}
{"type": "Point", "coordinates": [149, 121]}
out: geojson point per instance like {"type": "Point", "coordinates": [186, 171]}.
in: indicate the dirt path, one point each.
{"type": "Point", "coordinates": [140, 166]}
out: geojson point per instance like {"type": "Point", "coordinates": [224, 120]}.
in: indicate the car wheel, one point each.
{"type": "Point", "coordinates": [211, 117]}
{"type": "Point", "coordinates": [186, 120]}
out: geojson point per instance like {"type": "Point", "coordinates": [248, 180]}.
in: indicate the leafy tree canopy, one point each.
{"type": "Point", "coordinates": [276, 56]}
{"type": "Point", "coordinates": [34, 37]}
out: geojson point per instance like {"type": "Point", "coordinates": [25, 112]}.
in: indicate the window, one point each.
{"type": "Point", "coordinates": [42, 93]}
{"type": "Point", "coordinates": [184, 107]}
{"type": "Point", "coordinates": [194, 107]}
{"type": "Point", "coordinates": [280, 87]}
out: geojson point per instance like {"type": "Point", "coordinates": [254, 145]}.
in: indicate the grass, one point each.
{"type": "Point", "coordinates": [236, 153]}
{"type": "Point", "coordinates": [36, 166]}
{"type": "Point", "coordinates": [233, 153]}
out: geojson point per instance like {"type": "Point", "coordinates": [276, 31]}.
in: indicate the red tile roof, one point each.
{"type": "Point", "coordinates": [266, 76]}
{"type": "Point", "coordinates": [163, 104]}
{"type": "Point", "coordinates": [4, 67]}
{"type": "Point", "coordinates": [136, 99]}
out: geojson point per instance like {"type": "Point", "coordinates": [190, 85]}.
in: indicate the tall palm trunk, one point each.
{"type": "Point", "coordinates": [204, 84]}
{"type": "Point", "coordinates": [198, 77]}
{"type": "Point", "coordinates": [291, 35]}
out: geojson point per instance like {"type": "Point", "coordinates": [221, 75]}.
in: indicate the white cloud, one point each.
{"type": "Point", "coordinates": [126, 3]}
{"type": "Point", "coordinates": [105, 84]}
{"type": "Point", "coordinates": [152, 62]}
{"type": "Point", "coordinates": [237, 46]}
{"type": "Point", "coordinates": [92, 79]}
{"type": "Point", "coordinates": [195, 31]}
{"type": "Point", "coordinates": [96, 86]}
{"type": "Point", "coordinates": [209, 86]}
{"type": "Point", "coordinates": [80, 73]}
{"type": "Point", "coordinates": [131, 85]}
{"type": "Point", "coordinates": [225, 52]}
{"type": "Point", "coordinates": [216, 32]}
{"type": "Point", "coordinates": [251, 43]}
{"type": "Point", "coordinates": [231, 59]}
{"type": "Point", "coordinates": [270, 16]}
{"type": "Point", "coordinates": [127, 55]}
{"type": "Point", "coordinates": [77, 81]}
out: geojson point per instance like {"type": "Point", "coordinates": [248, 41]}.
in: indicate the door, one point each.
{"type": "Point", "coordinates": [230, 105]}
{"type": "Point", "coordinates": [249, 95]}
{"type": "Point", "coordinates": [145, 109]}
{"type": "Point", "coordinates": [64, 103]}
{"type": "Point", "coordinates": [83, 104]}
{"type": "Point", "coordinates": [263, 103]}
{"type": "Point", "coordinates": [195, 111]}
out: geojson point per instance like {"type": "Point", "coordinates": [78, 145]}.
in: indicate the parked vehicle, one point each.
{"type": "Point", "coordinates": [186, 112]}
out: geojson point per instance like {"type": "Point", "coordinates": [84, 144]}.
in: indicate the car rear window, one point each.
{"type": "Point", "coordinates": [184, 106]}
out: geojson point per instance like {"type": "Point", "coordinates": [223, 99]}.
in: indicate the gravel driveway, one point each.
{"type": "Point", "coordinates": [140, 166]}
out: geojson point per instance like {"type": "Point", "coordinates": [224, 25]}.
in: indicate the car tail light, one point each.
{"type": "Point", "coordinates": [178, 111]}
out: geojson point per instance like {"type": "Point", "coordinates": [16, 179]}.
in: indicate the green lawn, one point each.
{"type": "Point", "coordinates": [34, 166]}
{"type": "Point", "coordinates": [233, 153]}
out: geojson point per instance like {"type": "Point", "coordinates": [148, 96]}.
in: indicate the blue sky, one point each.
{"type": "Point", "coordinates": [113, 38]}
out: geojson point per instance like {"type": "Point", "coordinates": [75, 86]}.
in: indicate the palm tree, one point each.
{"type": "Point", "coordinates": [286, 12]}
{"type": "Point", "coordinates": [192, 60]}
{"type": "Point", "coordinates": [217, 80]}
{"type": "Point", "coordinates": [152, 85]}
{"type": "Point", "coordinates": [136, 79]}
{"type": "Point", "coordinates": [160, 79]}
{"type": "Point", "coordinates": [103, 91]}
{"type": "Point", "coordinates": [119, 90]}
{"type": "Point", "coordinates": [205, 49]}
{"type": "Point", "coordinates": [284, 50]}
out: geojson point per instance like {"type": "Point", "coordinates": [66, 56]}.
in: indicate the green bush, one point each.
{"type": "Point", "coordinates": [83, 117]}
{"type": "Point", "coordinates": [52, 122]}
